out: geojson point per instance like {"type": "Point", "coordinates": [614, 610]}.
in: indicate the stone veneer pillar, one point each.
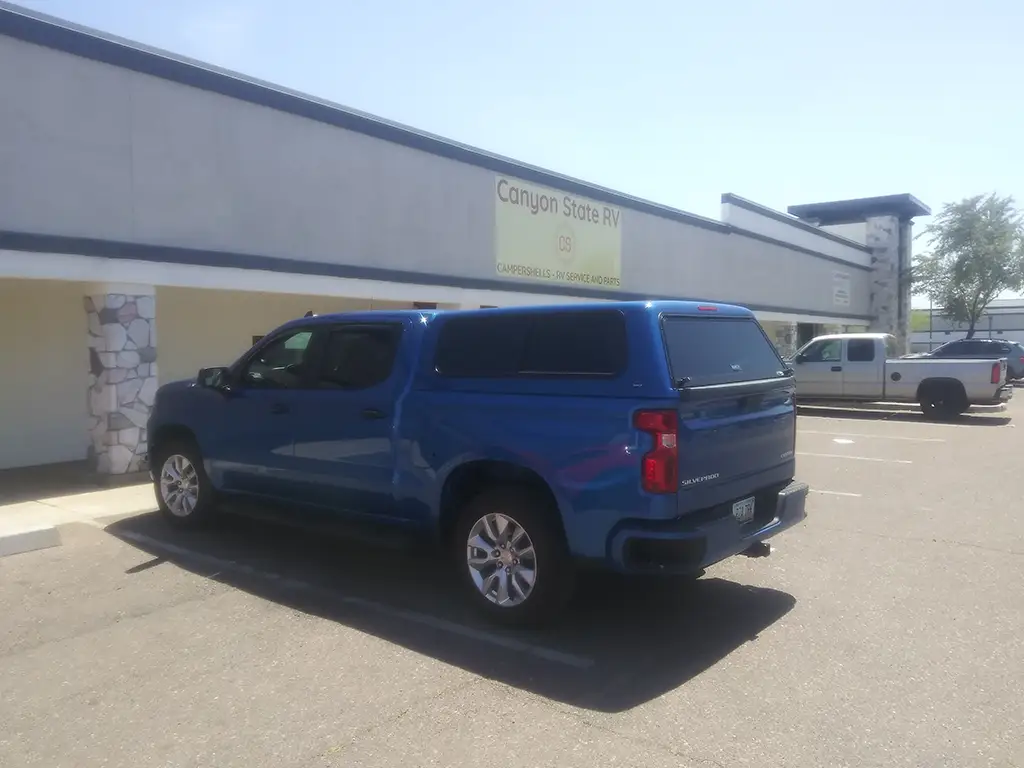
{"type": "Point", "coordinates": [785, 338]}
{"type": "Point", "coordinates": [888, 240]}
{"type": "Point", "coordinates": [122, 374]}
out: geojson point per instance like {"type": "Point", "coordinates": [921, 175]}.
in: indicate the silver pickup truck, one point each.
{"type": "Point", "coordinates": [862, 368]}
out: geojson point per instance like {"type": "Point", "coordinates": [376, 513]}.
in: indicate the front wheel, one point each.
{"type": "Point", "coordinates": [184, 493]}
{"type": "Point", "coordinates": [511, 553]}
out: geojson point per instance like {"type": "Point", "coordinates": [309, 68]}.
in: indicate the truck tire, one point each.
{"type": "Point", "coordinates": [512, 557]}
{"type": "Point", "coordinates": [942, 402]}
{"type": "Point", "coordinates": [184, 493]}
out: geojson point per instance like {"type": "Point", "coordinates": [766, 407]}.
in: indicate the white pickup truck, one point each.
{"type": "Point", "coordinates": [862, 368]}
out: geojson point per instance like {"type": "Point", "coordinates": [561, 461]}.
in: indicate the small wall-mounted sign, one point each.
{"type": "Point", "coordinates": [841, 289]}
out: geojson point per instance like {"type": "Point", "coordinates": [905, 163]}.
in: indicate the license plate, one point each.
{"type": "Point", "coordinates": [743, 511]}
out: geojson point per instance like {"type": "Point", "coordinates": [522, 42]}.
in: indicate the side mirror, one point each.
{"type": "Point", "coordinates": [212, 378]}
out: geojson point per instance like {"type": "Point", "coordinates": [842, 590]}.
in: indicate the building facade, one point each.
{"type": "Point", "coordinates": [157, 214]}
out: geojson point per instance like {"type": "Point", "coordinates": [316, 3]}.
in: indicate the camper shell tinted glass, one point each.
{"type": "Point", "coordinates": [718, 350]}
{"type": "Point", "coordinates": [573, 344]}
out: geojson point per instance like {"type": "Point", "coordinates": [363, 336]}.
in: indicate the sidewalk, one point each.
{"type": "Point", "coordinates": [29, 525]}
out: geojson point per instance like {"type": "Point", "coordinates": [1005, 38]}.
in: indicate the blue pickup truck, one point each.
{"type": "Point", "coordinates": [641, 437]}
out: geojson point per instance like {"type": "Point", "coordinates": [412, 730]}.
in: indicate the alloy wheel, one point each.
{"type": "Point", "coordinates": [179, 485]}
{"type": "Point", "coordinates": [501, 559]}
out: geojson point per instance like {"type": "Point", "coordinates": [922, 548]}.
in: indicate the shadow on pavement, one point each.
{"type": "Point", "coordinates": [618, 645]}
{"type": "Point", "coordinates": [51, 480]}
{"type": "Point", "coordinates": [973, 419]}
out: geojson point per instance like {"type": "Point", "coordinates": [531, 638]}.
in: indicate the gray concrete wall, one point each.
{"type": "Point", "coordinates": [92, 150]}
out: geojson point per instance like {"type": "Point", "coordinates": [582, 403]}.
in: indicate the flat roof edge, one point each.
{"type": "Point", "coordinates": [742, 202]}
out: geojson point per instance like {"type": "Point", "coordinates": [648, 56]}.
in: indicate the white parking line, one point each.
{"type": "Point", "coordinates": [917, 423]}
{"type": "Point", "coordinates": [854, 458]}
{"type": "Point", "coordinates": [837, 493]}
{"type": "Point", "coordinates": [873, 437]}
{"type": "Point", "coordinates": [511, 644]}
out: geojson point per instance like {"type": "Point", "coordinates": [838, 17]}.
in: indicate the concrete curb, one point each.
{"type": "Point", "coordinates": [28, 539]}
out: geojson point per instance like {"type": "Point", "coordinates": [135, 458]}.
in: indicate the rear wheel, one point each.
{"type": "Point", "coordinates": [943, 402]}
{"type": "Point", "coordinates": [511, 554]}
{"type": "Point", "coordinates": [184, 493]}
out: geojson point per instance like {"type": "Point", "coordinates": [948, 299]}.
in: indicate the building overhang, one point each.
{"type": "Point", "coordinates": [904, 206]}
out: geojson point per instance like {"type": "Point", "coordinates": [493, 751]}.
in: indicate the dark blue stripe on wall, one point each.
{"type": "Point", "coordinates": [110, 249]}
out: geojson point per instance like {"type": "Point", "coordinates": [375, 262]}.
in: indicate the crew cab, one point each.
{"type": "Point", "coordinates": [638, 437]}
{"type": "Point", "coordinates": [861, 368]}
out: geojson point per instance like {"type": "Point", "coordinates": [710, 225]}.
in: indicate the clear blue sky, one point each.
{"type": "Point", "coordinates": [782, 102]}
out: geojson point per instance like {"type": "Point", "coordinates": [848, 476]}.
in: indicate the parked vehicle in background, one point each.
{"type": "Point", "coordinates": [637, 437]}
{"type": "Point", "coordinates": [980, 349]}
{"type": "Point", "coordinates": [861, 368]}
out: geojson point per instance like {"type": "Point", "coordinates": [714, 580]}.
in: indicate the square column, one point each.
{"type": "Point", "coordinates": [889, 239]}
{"type": "Point", "coordinates": [782, 334]}
{"type": "Point", "coordinates": [122, 374]}
{"type": "Point", "coordinates": [785, 339]}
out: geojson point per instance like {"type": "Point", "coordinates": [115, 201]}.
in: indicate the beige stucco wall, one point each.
{"type": "Point", "coordinates": [45, 366]}
{"type": "Point", "coordinates": [204, 327]}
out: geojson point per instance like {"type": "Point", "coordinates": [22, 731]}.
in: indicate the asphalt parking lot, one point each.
{"type": "Point", "coordinates": [887, 630]}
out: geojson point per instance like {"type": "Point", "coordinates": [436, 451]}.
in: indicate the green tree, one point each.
{"type": "Point", "coordinates": [977, 252]}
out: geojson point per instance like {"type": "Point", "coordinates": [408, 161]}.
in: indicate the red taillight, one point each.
{"type": "Point", "coordinates": [997, 372]}
{"type": "Point", "coordinates": [707, 308]}
{"type": "Point", "coordinates": [660, 465]}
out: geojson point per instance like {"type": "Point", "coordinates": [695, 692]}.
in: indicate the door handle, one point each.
{"type": "Point", "coordinates": [837, 368]}
{"type": "Point", "coordinates": [373, 413]}
{"type": "Point", "coordinates": [278, 408]}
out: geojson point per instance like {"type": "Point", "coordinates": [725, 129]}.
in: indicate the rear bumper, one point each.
{"type": "Point", "coordinates": [697, 541]}
{"type": "Point", "coordinates": [1002, 396]}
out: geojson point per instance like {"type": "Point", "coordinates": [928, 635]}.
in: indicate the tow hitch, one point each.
{"type": "Point", "coordinates": [759, 549]}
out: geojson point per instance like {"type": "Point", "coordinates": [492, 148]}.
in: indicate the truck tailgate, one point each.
{"type": "Point", "coordinates": [737, 415]}
{"type": "Point", "coordinates": [734, 441]}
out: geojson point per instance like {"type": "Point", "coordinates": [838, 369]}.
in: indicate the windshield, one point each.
{"type": "Point", "coordinates": [719, 350]}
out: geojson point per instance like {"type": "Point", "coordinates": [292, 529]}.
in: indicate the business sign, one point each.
{"type": "Point", "coordinates": [547, 235]}
{"type": "Point", "coordinates": [841, 289]}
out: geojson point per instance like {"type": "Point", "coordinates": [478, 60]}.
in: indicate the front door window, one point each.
{"type": "Point", "coordinates": [281, 364]}
{"type": "Point", "coordinates": [824, 351]}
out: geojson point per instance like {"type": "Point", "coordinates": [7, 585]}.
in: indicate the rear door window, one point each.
{"type": "Point", "coordinates": [860, 350]}
{"type": "Point", "coordinates": [718, 350]}
{"type": "Point", "coordinates": [359, 357]}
